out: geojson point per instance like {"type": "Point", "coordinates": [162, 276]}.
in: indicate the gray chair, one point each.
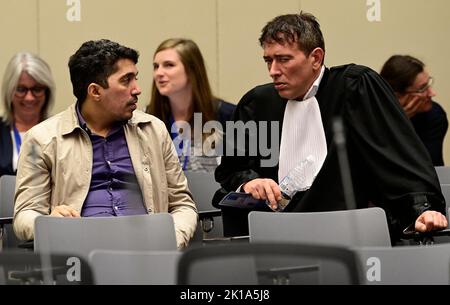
{"type": "Point", "coordinates": [203, 186]}
{"type": "Point", "coordinates": [80, 236]}
{"type": "Point", "coordinates": [28, 268]}
{"type": "Point", "coordinates": [265, 264]}
{"type": "Point", "coordinates": [134, 267]}
{"type": "Point", "coordinates": [408, 265]}
{"type": "Point", "coordinates": [7, 187]}
{"type": "Point", "coordinates": [446, 192]}
{"type": "Point", "coordinates": [443, 173]}
{"type": "Point", "coordinates": [361, 227]}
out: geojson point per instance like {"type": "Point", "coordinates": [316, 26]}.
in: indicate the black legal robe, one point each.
{"type": "Point", "coordinates": [389, 164]}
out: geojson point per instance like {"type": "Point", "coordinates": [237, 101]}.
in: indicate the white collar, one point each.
{"type": "Point", "coordinates": [315, 86]}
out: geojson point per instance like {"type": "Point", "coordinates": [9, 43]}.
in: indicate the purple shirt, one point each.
{"type": "Point", "coordinates": [114, 190]}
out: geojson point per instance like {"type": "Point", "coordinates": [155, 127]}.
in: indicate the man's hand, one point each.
{"type": "Point", "coordinates": [64, 211]}
{"type": "Point", "coordinates": [265, 189]}
{"type": "Point", "coordinates": [430, 220]}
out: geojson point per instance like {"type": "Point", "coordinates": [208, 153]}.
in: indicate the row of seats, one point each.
{"type": "Point", "coordinates": [355, 244]}
{"type": "Point", "coordinates": [119, 255]}
{"type": "Point", "coordinates": [202, 186]}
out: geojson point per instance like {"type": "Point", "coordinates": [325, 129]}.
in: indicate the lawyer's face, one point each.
{"type": "Point", "coordinates": [292, 72]}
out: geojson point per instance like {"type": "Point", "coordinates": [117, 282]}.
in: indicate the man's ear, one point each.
{"type": "Point", "coordinates": [94, 90]}
{"type": "Point", "coordinates": [316, 57]}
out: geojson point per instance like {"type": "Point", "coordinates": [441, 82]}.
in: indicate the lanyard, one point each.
{"type": "Point", "coordinates": [17, 138]}
{"type": "Point", "coordinates": [179, 149]}
{"type": "Point", "coordinates": [185, 162]}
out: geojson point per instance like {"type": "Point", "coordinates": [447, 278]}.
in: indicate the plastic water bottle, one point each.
{"type": "Point", "coordinates": [294, 182]}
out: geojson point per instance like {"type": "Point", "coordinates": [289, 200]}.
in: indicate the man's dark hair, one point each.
{"type": "Point", "coordinates": [302, 28]}
{"type": "Point", "coordinates": [94, 62]}
{"type": "Point", "coordinates": [400, 71]}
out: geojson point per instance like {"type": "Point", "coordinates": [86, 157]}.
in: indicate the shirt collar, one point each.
{"type": "Point", "coordinates": [315, 86]}
{"type": "Point", "coordinates": [84, 126]}
{"type": "Point", "coordinates": [81, 120]}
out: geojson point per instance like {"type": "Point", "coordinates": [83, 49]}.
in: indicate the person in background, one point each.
{"type": "Point", "coordinates": [389, 166]}
{"type": "Point", "coordinates": [412, 85]}
{"type": "Point", "coordinates": [28, 93]}
{"type": "Point", "coordinates": [181, 89]}
{"type": "Point", "coordinates": [101, 157]}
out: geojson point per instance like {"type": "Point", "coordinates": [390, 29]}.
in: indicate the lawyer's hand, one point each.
{"type": "Point", "coordinates": [430, 220]}
{"type": "Point", "coordinates": [265, 189]}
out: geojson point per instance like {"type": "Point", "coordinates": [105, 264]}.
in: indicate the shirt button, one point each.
{"type": "Point", "coordinates": [146, 169]}
{"type": "Point", "coordinates": [109, 162]}
{"type": "Point", "coordinates": [110, 188]}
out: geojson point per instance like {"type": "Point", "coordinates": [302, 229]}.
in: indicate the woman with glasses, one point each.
{"type": "Point", "coordinates": [412, 84]}
{"type": "Point", "coordinates": [28, 94]}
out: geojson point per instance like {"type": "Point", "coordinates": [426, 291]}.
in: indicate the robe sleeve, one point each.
{"type": "Point", "coordinates": [395, 159]}
{"type": "Point", "coordinates": [236, 166]}
{"type": "Point", "coordinates": [251, 149]}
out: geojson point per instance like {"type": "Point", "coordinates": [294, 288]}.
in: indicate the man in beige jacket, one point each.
{"type": "Point", "coordinates": [101, 156]}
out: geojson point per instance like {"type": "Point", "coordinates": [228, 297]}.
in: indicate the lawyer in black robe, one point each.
{"type": "Point", "coordinates": [389, 165]}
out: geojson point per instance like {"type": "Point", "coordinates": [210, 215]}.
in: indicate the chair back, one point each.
{"type": "Point", "coordinates": [266, 264]}
{"type": "Point", "coordinates": [29, 268]}
{"type": "Point", "coordinates": [79, 236]}
{"type": "Point", "coordinates": [361, 227]}
{"type": "Point", "coordinates": [406, 265]}
{"type": "Point", "coordinates": [446, 193]}
{"type": "Point", "coordinates": [7, 187]}
{"type": "Point", "coordinates": [8, 238]}
{"type": "Point", "coordinates": [443, 173]}
{"type": "Point", "coordinates": [203, 187]}
{"type": "Point", "coordinates": [112, 267]}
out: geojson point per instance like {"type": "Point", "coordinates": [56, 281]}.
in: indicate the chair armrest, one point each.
{"type": "Point", "coordinates": [425, 237]}
{"type": "Point", "coordinates": [209, 214]}
{"type": "Point", "coordinates": [5, 220]}
{"type": "Point", "coordinates": [207, 219]}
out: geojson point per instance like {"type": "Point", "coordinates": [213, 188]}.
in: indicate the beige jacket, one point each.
{"type": "Point", "coordinates": [55, 168]}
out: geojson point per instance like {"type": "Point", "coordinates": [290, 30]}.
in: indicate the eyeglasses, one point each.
{"type": "Point", "coordinates": [424, 88]}
{"type": "Point", "coordinates": [22, 91]}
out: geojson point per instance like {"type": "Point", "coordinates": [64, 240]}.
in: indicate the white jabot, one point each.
{"type": "Point", "coordinates": [303, 135]}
